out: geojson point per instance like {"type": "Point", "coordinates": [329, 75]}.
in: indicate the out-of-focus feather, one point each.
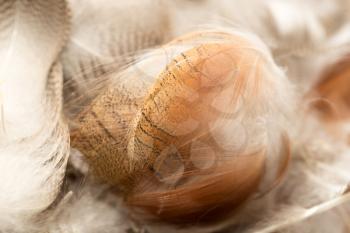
{"type": "Point", "coordinates": [299, 26]}
{"type": "Point", "coordinates": [291, 25]}
{"type": "Point", "coordinates": [34, 140]}
{"type": "Point", "coordinates": [289, 216]}
{"type": "Point", "coordinates": [87, 212]}
{"type": "Point", "coordinates": [299, 33]}
{"type": "Point", "coordinates": [104, 35]}
{"type": "Point", "coordinates": [317, 182]}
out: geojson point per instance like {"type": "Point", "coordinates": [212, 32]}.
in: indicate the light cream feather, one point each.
{"type": "Point", "coordinates": [34, 139]}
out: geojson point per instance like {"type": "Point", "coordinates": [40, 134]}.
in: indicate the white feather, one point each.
{"type": "Point", "coordinates": [34, 140]}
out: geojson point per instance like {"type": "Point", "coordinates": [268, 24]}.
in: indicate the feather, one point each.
{"type": "Point", "coordinates": [289, 41]}
{"type": "Point", "coordinates": [130, 128]}
{"type": "Point", "coordinates": [277, 162]}
{"type": "Point", "coordinates": [34, 139]}
{"type": "Point", "coordinates": [102, 41]}
{"type": "Point", "coordinates": [293, 215]}
{"type": "Point", "coordinates": [86, 212]}
{"type": "Point", "coordinates": [300, 34]}
{"type": "Point", "coordinates": [315, 178]}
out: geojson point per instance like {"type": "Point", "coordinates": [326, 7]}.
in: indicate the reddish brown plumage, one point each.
{"type": "Point", "coordinates": [334, 89]}
{"type": "Point", "coordinates": [212, 196]}
{"type": "Point", "coordinates": [167, 160]}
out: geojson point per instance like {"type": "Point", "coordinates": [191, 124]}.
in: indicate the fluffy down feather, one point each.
{"type": "Point", "coordinates": [34, 140]}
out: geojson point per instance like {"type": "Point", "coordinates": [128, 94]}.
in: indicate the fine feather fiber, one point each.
{"type": "Point", "coordinates": [135, 80]}
{"type": "Point", "coordinates": [80, 80]}
{"type": "Point", "coordinates": [102, 43]}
